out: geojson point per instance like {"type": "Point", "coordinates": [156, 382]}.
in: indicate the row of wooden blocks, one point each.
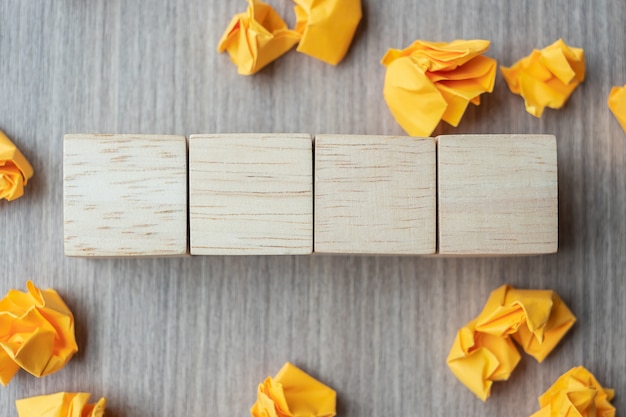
{"type": "Point", "coordinates": [265, 194]}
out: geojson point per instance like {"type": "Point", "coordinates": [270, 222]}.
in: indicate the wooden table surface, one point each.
{"type": "Point", "coordinates": [193, 337]}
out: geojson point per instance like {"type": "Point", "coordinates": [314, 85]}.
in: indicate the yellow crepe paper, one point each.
{"type": "Point", "coordinates": [576, 393]}
{"type": "Point", "coordinates": [431, 81]}
{"type": "Point", "coordinates": [327, 27]}
{"type": "Point", "coordinates": [548, 77]}
{"type": "Point", "coordinates": [617, 104]}
{"type": "Point", "coordinates": [15, 171]}
{"type": "Point", "coordinates": [483, 352]}
{"type": "Point", "coordinates": [256, 38]}
{"type": "Point", "coordinates": [293, 393]}
{"type": "Point", "coordinates": [478, 359]}
{"type": "Point", "coordinates": [62, 404]}
{"type": "Point", "coordinates": [36, 333]}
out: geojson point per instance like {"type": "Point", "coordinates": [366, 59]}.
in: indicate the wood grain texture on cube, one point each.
{"type": "Point", "coordinates": [251, 194]}
{"type": "Point", "coordinates": [125, 195]}
{"type": "Point", "coordinates": [374, 195]}
{"type": "Point", "coordinates": [498, 194]}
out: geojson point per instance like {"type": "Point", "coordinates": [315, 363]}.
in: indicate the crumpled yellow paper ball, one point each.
{"type": "Point", "coordinates": [433, 81]}
{"type": "Point", "coordinates": [15, 171]}
{"type": "Point", "coordinates": [62, 404]}
{"type": "Point", "coordinates": [478, 359]}
{"type": "Point", "coordinates": [576, 393]}
{"type": "Point", "coordinates": [294, 393]}
{"type": "Point", "coordinates": [36, 333]}
{"type": "Point", "coordinates": [327, 27]}
{"type": "Point", "coordinates": [256, 38]}
{"type": "Point", "coordinates": [546, 78]}
{"type": "Point", "coordinates": [483, 352]}
{"type": "Point", "coordinates": [536, 319]}
{"type": "Point", "coordinates": [617, 104]}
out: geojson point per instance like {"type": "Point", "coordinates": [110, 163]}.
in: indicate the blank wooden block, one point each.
{"type": "Point", "coordinates": [375, 195]}
{"type": "Point", "coordinates": [497, 194]}
{"type": "Point", "coordinates": [125, 195]}
{"type": "Point", "coordinates": [251, 194]}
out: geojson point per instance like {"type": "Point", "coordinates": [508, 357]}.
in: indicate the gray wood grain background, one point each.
{"type": "Point", "coordinates": [193, 337]}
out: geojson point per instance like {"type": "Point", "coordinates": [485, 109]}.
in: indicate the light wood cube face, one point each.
{"type": "Point", "coordinates": [497, 194]}
{"type": "Point", "coordinates": [375, 195]}
{"type": "Point", "coordinates": [125, 195]}
{"type": "Point", "coordinates": [251, 194]}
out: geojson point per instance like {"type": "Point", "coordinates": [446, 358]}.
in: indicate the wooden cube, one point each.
{"type": "Point", "coordinates": [375, 195]}
{"type": "Point", "coordinates": [125, 195]}
{"type": "Point", "coordinates": [251, 194]}
{"type": "Point", "coordinates": [497, 194]}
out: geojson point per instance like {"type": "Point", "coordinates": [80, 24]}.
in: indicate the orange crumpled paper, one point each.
{"type": "Point", "coordinates": [548, 77]}
{"type": "Point", "coordinates": [536, 319]}
{"type": "Point", "coordinates": [256, 38]}
{"type": "Point", "coordinates": [36, 333]}
{"type": "Point", "coordinates": [478, 359]}
{"type": "Point", "coordinates": [482, 351]}
{"type": "Point", "coordinates": [576, 393]}
{"type": "Point", "coordinates": [15, 171]}
{"type": "Point", "coordinates": [617, 104]}
{"type": "Point", "coordinates": [62, 404]}
{"type": "Point", "coordinates": [327, 27]}
{"type": "Point", "coordinates": [431, 81]}
{"type": "Point", "coordinates": [293, 393]}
